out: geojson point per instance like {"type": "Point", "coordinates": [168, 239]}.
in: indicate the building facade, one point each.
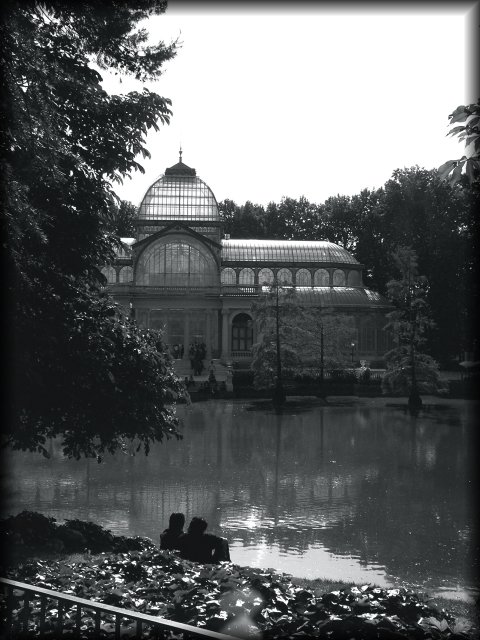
{"type": "Point", "coordinates": [180, 274]}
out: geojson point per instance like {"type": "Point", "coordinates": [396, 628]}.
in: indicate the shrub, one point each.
{"type": "Point", "coordinates": [97, 538]}
{"type": "Point", "coordinates": [242, 378]}
{"type": "Point", "coordinates": [342, 375]}
{"type": "Point", "coordinates": [33, 528]}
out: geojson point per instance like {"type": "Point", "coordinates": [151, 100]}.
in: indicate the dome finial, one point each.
{"type": "Point", "coordinates": [180, 154]}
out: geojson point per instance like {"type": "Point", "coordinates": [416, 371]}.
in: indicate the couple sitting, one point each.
{"type": "Point", "coordinates": [194, 545]}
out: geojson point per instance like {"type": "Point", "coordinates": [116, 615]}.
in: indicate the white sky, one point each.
{"type": "Point", "coordinates": [273, 102]}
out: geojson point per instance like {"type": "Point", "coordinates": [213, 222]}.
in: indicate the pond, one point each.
{"type": "Point", "coordinates": [360, 492]}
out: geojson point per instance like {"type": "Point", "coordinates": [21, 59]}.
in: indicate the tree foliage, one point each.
{"type": "Point", "coordinates": [469, 133]}
{"type": "Point", "coordinates": [301, 340]}
{"type": "Point", "coordinates": [322, 334]}
{"type": "Point", "coordinates": [409, 371]}
{"type": "Point", "coordinates": [413, 208]}
{"type": "Point", "coordinates": [120, 219]}
{"type": "Point", "coordinates": [81, 367]}
{"type": "Point", "coordinates": [275, 303]}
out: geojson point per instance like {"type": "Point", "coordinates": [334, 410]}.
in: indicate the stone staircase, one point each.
{"type": "Point", "coordinates": [183, 370]}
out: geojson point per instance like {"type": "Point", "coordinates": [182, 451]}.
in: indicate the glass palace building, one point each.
{"type": "Point", "coordinates": [182, 275]}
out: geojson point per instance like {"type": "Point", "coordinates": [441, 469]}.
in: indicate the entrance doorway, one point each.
{"type": "Point", "coordinates": [242, 333]}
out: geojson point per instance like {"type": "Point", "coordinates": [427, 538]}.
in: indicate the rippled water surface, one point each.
{"type": "Point", "coordinates": [362, 493]}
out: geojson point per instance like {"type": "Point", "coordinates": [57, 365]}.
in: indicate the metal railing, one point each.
{"type": "Point", "coordinates": [239, 290]}
{"type": "Point", "coordinates": [174, 290]}
{"type": "Point", "coordinates": [238, 355]}
{"type": "Point", "coordinates": [32, 617]}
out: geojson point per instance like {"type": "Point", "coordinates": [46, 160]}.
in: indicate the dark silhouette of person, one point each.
{"type": "Point", "coordinates": [198, 546]}
{"type": "Point", "coordinates": [170, 538]}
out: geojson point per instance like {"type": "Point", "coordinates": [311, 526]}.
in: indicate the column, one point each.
{"type": "Point", "coordinates": [186, 335]}
{"type": "Point", "coordinates": [208, 332]}
{"type": "Point", "coordinates": [225, 341]}
{"type": "Point", "coordinates": [216, 344]}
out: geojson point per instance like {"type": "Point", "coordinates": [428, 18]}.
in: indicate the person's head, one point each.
{"type": "Point", "coordinates": [197, 526]}
{"type": "Point", "coordinates": [177, 520]}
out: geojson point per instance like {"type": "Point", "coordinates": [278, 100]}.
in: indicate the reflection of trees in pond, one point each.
{"type": "Point", "coordinates": [356, 481]}
{"type": "Point", "coordinates": [411, 541]}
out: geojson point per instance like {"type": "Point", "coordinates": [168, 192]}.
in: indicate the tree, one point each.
{"type": "Point", "coordinates": [308, 338]}
{"type": "Point", "coordinates": [120, 221]}
{"type": "Point", "coordinates": [469, 132]}
{"type": "Point", "coordinates": [408, 369]}
{"type": "Point", "coordinates": [228, 212]}
{"type": "Point", "coordinates": [341, 221]}
{"type": "Point", "coordinates": [322, 338]}
{"type": "Point", "coordinates": [82, 369]}
{"type": "Point", "coordinates": [415, 208]}
{"type": "Point", "coordinates": [273, 355]}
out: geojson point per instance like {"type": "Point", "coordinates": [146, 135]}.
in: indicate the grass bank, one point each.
{"type": "Point", "coordinates": [464, 610]}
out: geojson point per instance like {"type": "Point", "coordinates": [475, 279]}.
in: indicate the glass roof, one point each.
{"type": "Point", "coordinates": [179, 197]}
{"type": "Point", "coordinates": [285, 251]}
{"type": "Point", "coordinates": [339, 296]}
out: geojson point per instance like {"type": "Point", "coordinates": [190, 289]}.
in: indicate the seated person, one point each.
{"type": "Point", "coordinates": [198, 546]}
{"type": "Point", "coordinates": [222, 552]}
{"type": "Point", "coordinates": [169, 539]}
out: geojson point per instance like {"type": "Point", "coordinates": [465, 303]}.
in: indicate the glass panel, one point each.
{"type": "Point", "coordinates": [265, 276]}
{"type": "Point", "coordinates": [126, 274]}
{"type": "Point", "coordinates": [176, 264]}
{"type": "Point", "coordinates": [175, 329]}
{"type": "Point", "coordinates": [179, 198]}
{"type": "Point", "coordinates": [246, 276]}
{"type": "Point", "coordinates": [353, 278]}
{"type": "Point", "coordinates": [229, 276]}
{"type": "Point", "coordinates": [303, 278]}
{"type": "Point", "coordinates": [242, 333]}
{"type": "Point", "coordinates": [158, 320]}
{"type": "Point", "coordinates": [321, 278]}
{"type": "Point", "coordinates": [197, 328]}
{"type": "Point", "coordinates": [284, 276]}
{"type": "Point", "coordinates": [339, 278]}
{"type": "Point", "coordinates": [285, 251]}
{"type": "Point", "coordinates": [111, 274]}
{"type": "Point", "coordinates": [367, 339]}
{"type": "Point", "coordinates": [141, 316]}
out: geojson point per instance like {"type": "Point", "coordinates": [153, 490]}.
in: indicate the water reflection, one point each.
{"type": "Point", "coordinates": [369, 494]}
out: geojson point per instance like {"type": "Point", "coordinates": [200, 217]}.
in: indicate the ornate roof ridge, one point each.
{"type": "Point", "coordinates": [272, 240]}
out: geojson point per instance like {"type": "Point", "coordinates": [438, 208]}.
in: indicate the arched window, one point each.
{"type": "Point", "coordinates": [303, 278]}
{"type": "Point", "coordinates": [176, 264]}
{"type": "Point", "coordinates": [321, 278]}
{"type": "Point", "coordinates": [284, 276]}
{"type": "Point", "coordinates": [338, 278]}
{"type": "Point", "coordinates": [110, 273]}
{"type": "Point", "coordinates": [366, 335]}
{"type": "Point", "coordinates": [125, 274]}
{"type": "Point", "coordinates": [242, 332]}
{"type": "Point", "coordinates": [353, 279]}
{"type": "Point", "coordinates": [265, 276]}
{"type": "Point", "coordinates": [246, 276]}
{"type": "Point", "coordinates": [229, 276]}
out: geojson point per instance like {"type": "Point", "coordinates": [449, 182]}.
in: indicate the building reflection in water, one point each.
{"type": "Point", "coordinates": [359, 493]}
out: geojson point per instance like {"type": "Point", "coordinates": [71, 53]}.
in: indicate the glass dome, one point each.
{"type": "Point", "coordinates": [341, 297]}
{"type": "Point", "coordinates": [179, 195]}
{"type": "Point", "coordinates": [286, 251]}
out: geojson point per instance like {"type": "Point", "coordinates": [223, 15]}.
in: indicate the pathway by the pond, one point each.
{"type": "Point", "coordinates": [354, 489]}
